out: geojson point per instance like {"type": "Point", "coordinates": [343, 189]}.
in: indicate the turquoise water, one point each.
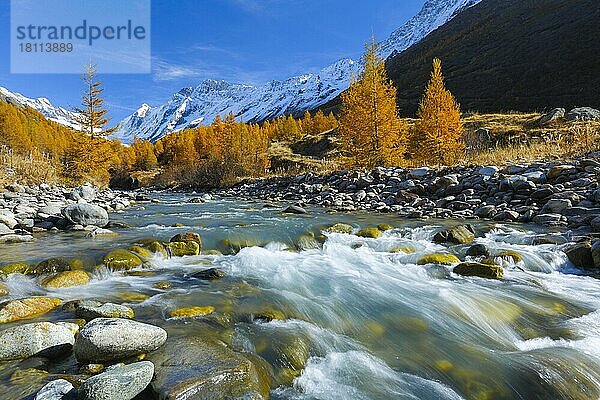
{"type": "Point", "coordinates": [375, 324]}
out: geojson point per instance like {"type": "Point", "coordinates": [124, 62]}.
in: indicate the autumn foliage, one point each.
{"type": "Point", "coordinates": [372, 133]}
{"type": "Point", "coordinates": [437, 134]}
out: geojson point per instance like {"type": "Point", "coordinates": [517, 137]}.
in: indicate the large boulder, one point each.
{"type": "Point", "coordinates": [208, 370]}
{"type": "Point", "coordinates": [187, 237]}
{"type": "Point", "coordinates": [105, 339]}
{"type": "Point", "coordinates": [481, 270]}
{"type": "Point", "coordinates": [120, 259]}
{"type": "Point", "coordinates": [460, 234]}
{"type": "Point", "coordinates": [122, 382]}
{"type": "Point", "coordinates": [580, 254]}
{"type": "Point", "coordinates": [14, 310]}
{"type": "Point", "coordinates": [40, 338]}
{"type": "Point", "coordinates": [583, 114]}
{"type": "Point", "coordinates": [67, 279]}
{"type": "Point", "coordinates": [86, 214]}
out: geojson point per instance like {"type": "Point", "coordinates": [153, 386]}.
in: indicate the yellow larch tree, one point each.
{"type": "Point", "coordinates": [371, 132]}
{"type": "Point", "coordinates": [438, 132]}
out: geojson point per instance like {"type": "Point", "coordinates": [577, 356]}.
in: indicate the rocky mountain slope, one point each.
{"type": "Point", "coordinates": [503, 55]}
{"type": "Point", "coordinates": [41, 104]}
{"type": "Point", "coordinates": [192, 106]}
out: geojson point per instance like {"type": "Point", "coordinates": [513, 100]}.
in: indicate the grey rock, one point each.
{"type": "Point", "coordinates": [419, 172]}
{"type": "Point", "coordinates": [547, 218]}
{"type": "Point", "coordinates": [41, 338]}
{"type": "Point", "coordinates": [86, 214]}
{"type": "Point", "coordinates": [583, 114]}
{"type": "Point", "coordinates": [556, 206]}
{"type": "Point", "coordinates": [5, 230]}
{"type": "Point", "coordinates": [105, 339]}
{"type": "Point", "coordinates": [554, 114]}
{"type": "Point", "coordinates": [58, 389]}
{"type": "Point", "coordinates": [294, 209]}
{"type": "Point", "coordinates": [488, 171]}
{"type": "Point", "coordinates": [90, 309]}
{"type": "Point", "coordinates": [122, 382]}
{"type": "Point", "coordinates": [14, 238]}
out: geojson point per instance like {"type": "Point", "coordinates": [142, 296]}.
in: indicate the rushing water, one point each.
{"type": "Point", "coordinates": [377, 325]}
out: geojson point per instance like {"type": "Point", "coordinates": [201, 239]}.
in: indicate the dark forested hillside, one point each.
{"type": "Point", "coordinates": [505, 55]}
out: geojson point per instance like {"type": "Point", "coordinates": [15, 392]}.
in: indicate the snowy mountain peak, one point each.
{"type": "Point", "coordinates": [141, 112]}
{"type": "Point", "coordinates": [44, 106]}
{"type": "Point", "coordinates": [200, 105]}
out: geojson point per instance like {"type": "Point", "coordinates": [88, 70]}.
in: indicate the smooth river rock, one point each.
{"type": "Point", "coordinates": [192, 368]}
{"type": "Point", "coordinates": [59, 389]}
{"type": "Point", "coordinates": [105, 339]}
{"type": "Point", "coordinates": [86, 214]}
{"type": "Point", "coordinates": [41, 338]}
{"type": "Point", "coordinates": [122, 382]}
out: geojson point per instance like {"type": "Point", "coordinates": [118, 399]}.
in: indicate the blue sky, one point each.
{"type": "Point", "coordinates": [242, 41]}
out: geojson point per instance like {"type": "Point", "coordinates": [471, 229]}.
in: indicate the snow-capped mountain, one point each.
{"type": "Point", "coordinates": [192, 106]}
{"type": "Point", "coordinates": [43, 105]}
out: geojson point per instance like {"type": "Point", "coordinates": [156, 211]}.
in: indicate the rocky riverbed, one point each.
{"type": "Point", "coordinates": [552, 194]}
{"type": "Point", "coordinates": [27, 210]}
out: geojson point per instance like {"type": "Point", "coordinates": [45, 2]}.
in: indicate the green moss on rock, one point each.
{"type": "Point", "coordinates": [180, 249]}
{"type": "Point", "coordinates": [369, 233]}
{"type": "Point", "coordinates": [479, 269]}
{"type": "Point", "coordinates": [340, 227]}
{"type": "Point", "coordinates": [438, 258]}
{"type": "Point", "coordinates": [67, 279]}
{"type": "Point", "coordinates": [121, 259]}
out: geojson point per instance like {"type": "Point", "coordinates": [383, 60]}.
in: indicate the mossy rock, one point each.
{"type": "Point", "coordinates": [460, 234]}
{"type": "Point", "coordinates": [17, 268]}
{"type": "Point", "coordinates": [187, 237]}
{"type": "Point", "coordinates": [373, 233]}
{"type": "Point", "coordinates": [121, 259]}
{"type": "Point", "coordinates": [15, 310]}
{"type": "Point", "coordinates": [178, 225]}
{"type": "Point", "coordinates": [156, 247]}
{"type": "Point", "coordinates": [444, 365]}
{"type": "Point", "coordinates": [189, 312]}
{"type": "Point", "coordinates": [90, 309]}
{"type": "Point", "coordinates": [163, 285]}
{"type": "Point", "coordinates": [438, 258]}
{"type": "Point", "coordinates": [52, 266]}
{"type": "Point", "coordinates": [233, 246]}
{"type": "Point", "coordinates": [295, 353]}
{"type": "Point", "coordinates": [141, 251]}
{"type": "Point", "coordinates": [212, 252]}
{"type": "Point", "coordinates": [479, 269]}
{"type": "Point", "coordinates": [510, 255]}
{"type": "Point", "coordinates": [269, 314]}
{"type": "Point", "coordinates": [180, 249]}
{"type": "Point", "coordinates": [3, 289]}
{"type": "Point", "coordinates": [339, 227]}
{"type": "Point", "coordinates": [306, 242]}
{"type": "Point", "coordinates": [67, 279]}
{"type": "Point", "coordinates": [384, 227]}
{"type": "Point", "coordinates": [402, 249]}
{"type": "Point", "coordinates": [133, 297]}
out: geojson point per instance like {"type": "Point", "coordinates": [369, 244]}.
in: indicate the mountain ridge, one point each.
{"type": "Point", "coordinates": [201, 104]}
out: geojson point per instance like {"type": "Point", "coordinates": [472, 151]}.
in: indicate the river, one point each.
{"type": "Point", "coordinates": [376, 325]}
